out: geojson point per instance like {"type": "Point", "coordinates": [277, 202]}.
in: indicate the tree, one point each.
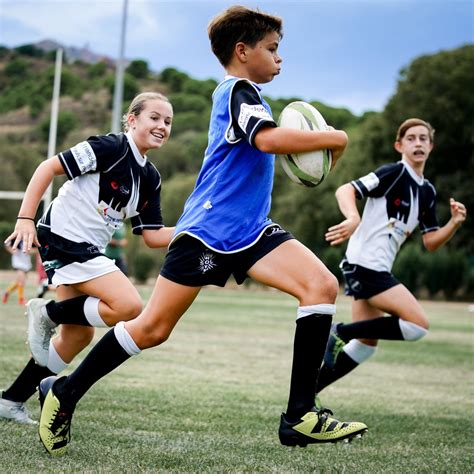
{"type": "Point", "coordinates": [437, 88]}
{"type": "Point", "coordinates": [138, 69]}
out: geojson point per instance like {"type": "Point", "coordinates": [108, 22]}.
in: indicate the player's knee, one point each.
{"type": "Point", "coordinates": [151, 336]}
{"type": "Point", "coordinates": [412, 331]}
{"type": "Point", "coordinates": [320, 288]}
{"type": "Point", "coordinates": [130, 309]}
{"type": "Point", "coordinates": [79, 338]}
{"type": "Point", "coordinates": [328, 286]}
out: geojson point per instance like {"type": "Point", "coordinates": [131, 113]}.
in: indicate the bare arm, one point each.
{"type": "Point", "coordinates": [346, 200]}
{"type": "Point", "coordinates": [287, 140]}
{"type": "Point", "coordinates": [25, 230]}
{"type": "Point", "coordinates": [434, 240]}
{"type": "Point", "coordinates": [158, 238]}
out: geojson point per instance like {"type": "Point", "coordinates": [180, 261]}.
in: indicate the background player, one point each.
{"type": "Point", "coordinates": [115, 250]}
{"type": "Point", "coordinates": [21, 263]}
{"type": "Point", "coordinates": [110, 180]}
{"type": "Point", "coordinates": [399, 199]}
{"type": "Point", "coordinates": [225, 230]}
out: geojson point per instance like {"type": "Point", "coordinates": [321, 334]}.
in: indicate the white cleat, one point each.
{"type": "Point", "coordinates": [15, 411]}
{"type": "Point", "coordinates": [40, 330]}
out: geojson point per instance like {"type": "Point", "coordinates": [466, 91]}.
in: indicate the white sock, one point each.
{"type": "Point", "coordinates": [125, 340]}
{"type": "Point", "coordinates": [55, 363]}
{"type": "Point", "coordinates": [358, 351]}
{"type": "Point", "coordinates": [91, 312]}
{"type": "Point", "coordinates": [315, 309]}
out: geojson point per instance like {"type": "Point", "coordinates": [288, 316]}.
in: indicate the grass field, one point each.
{"type": "Point", "coordinates": [209, 400]}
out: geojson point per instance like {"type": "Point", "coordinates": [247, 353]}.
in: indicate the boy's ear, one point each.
{"type": "Point", "coordinates": [241, 51]}
{"type": "Point", "coordinates": [398, 146]}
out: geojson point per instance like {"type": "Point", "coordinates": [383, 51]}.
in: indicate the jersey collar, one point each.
{"type": "Point", "coordinates": [411, 172]}
{"type": "Point", "coordinates": [228, 76]}
{"type": "Point", "coordinates": [141, 160]}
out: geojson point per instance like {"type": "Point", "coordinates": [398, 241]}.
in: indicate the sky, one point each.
{"type": "Point", "coordinates": [344, 53]}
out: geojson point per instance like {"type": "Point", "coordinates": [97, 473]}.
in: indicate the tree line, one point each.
{"type": "Point", "coordinates": [433, 87]}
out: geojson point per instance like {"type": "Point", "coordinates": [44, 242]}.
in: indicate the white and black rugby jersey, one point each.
{"type": "Point", "coordinates": [398, 200]}
{"type": "Point", "coordinates": [109, 181]}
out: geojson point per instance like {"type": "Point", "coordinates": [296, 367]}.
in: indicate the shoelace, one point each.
{"type": "Point", "coordinates": [61, 423]}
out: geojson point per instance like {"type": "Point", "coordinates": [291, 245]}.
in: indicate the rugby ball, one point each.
{"type": "Point", "coordinates": [309, 168]}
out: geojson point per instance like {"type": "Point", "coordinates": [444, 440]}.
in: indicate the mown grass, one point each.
{"type": "Point", "coordinates": [209, 400]}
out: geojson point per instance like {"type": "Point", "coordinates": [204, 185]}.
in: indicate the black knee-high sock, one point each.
{"type": "Point", "coordinates": [385, 327]}
{"type": "Point", "coordinates": [27, 382]}
{"type": "Point", "coordinates": [68, 311]}
{"type": "Point", "coordinates": [311, 336]}
{"type": "Point", "coordinates": [344, 364]}
{"type": "Point", "coordinates": [104, 357]}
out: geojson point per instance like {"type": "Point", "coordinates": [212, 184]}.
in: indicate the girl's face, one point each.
{"type": "Point", "coordinates": [152, 127]}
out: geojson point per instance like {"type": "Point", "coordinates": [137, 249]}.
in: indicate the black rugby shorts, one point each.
{"type": "Point", "coordinates": [189, 262]}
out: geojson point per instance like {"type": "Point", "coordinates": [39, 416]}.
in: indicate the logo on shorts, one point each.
{"type": "Point", "coordinates": [355, 285]}
{"type": "Point", "coordinates": [275, 229]}
{"type": "Point", "coordinates": [206, 262]}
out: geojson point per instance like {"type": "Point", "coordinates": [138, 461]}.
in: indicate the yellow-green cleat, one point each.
{"type": "Point", "coordinates": [55, 420]}
{"type": "Point", "coordinates": [318, 426]}
{"type": "Point", "coordinates": [334, 347]}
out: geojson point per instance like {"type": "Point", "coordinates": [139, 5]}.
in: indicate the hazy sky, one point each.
{"type": "Point", "coordinates": [342, 52]}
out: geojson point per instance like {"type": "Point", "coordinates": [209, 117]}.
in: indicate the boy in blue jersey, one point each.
{"type": "Point", "coordinates": [399, 199]}
{"type": "Point", "coordinates": [225, 230]}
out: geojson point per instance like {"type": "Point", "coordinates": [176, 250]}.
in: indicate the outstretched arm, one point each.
{"type": "Point", "coordinates": [433, 240]}
{"type": "Point", "coordinates": [346, 200]}
{"type": "Point", "coordinates": [25, 229]}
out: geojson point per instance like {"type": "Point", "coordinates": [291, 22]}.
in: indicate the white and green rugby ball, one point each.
{"type": "Point", "coordinates": [309, 168]}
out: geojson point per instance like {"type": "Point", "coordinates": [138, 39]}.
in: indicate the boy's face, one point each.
{"type": "Point", "coordinates": [415, 146]}
{"type": "Point", "coordinates": [263, 61]}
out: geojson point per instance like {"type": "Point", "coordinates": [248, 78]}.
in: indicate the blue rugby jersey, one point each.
{"type": "Point", "coordinates": [228, 208]}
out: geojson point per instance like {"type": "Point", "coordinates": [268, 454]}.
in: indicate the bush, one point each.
{"type": "Point", "coordinates": [67, 121]}
{"type": "Point", "coordinates": [445, 271]}
{"type": "Point", "coordinates": [407, 266]}
{"type": "Point", "coordinates": [143, 265]}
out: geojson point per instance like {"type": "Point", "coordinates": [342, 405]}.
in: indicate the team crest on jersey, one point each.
{"type": "Point", "coordinates": [111, 217]}
{"type": "Point", "coordinates": [206, 262]}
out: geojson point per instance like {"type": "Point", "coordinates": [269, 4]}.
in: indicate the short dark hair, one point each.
{"type": "Point", "coordinates": [236, 24]}
{"type": "Point", "coordinates": [414, 122]}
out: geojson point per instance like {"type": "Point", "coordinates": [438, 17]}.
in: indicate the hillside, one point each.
{"type": "Point", "coordinates": [434, 87]}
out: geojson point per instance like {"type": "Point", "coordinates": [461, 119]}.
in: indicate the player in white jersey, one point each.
{"type": "Point", "coordinates": [225, 230]}
{"type": "Point", "coordinates": [110, 180]}
{"type": "Point", "coordinates": [21, 263]}
{"type": "Point", "coordinates": [399, 199]}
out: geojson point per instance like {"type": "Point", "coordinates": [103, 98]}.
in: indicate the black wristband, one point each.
{"type": "Point", "coordinates": [27, 218]}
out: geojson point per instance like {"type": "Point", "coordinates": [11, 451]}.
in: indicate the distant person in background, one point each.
{"type": "Point", "coordinates": [399, 198]}
{"type": "Point", "coordinates": [115, 249]}
{"type": "Point", "coordinates": [21, 263]}
{"type": "Point", "coordinates": [43, 284]}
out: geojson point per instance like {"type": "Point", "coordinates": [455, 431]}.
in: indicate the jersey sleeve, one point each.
{"type": "Point", "coordinates": [378, 182]}
{"type": "Point", "coordinates": [97, 153]}
{"type": "Point", "coordinates": [249, 114]}
{"type": "Point", "coordinates": [427, 218]}
{"type": "Point", "coordinates": [149, 216]}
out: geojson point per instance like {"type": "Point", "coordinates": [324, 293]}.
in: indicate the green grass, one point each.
{"type": "Point", "coordinates": [209, 400]}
